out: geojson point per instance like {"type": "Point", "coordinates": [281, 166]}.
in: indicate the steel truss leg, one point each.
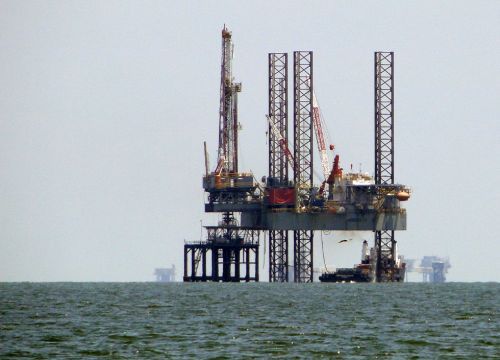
{"type": "Point", "coordinates": [278, 256]}
{"type": "Point", "coordinates": [385, 244]}
{"type": "Point", "coordinates": [303, 153]}
{"type": "Point", "coordinates": [278, 166]}
{"type": "Point", "coordinates": [303, 256]}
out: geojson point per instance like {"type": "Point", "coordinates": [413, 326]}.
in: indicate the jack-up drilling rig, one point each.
{"type": "Point", "coordinates": [352, 201]}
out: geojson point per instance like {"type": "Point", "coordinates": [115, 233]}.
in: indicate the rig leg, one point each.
{"type": "Point", "coordinates": [303, 256]}
{"type": "Point", "coordinates": [278, 256]}
{"type": "Point", "coordinates": [204, 264]}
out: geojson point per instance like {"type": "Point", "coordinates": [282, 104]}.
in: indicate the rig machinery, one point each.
{"type": "Point", "coordinates": [284, 203]}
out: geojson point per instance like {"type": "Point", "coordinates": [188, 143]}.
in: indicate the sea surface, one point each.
{"type": "Point", "coordinates": [256, 320]}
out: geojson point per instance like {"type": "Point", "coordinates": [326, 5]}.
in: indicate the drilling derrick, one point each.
{"type": "Point", "coordinates": [277, 182]}
{"type": "Point", "coordinates": [228, 112]}
{"type": "Point", "coordinates": [227, 160]}
{"type": "Point", "coordinates": [228, 189]}
{"type": "Point", "coordinates": [229, 250]}
{"type": "Point", "coordinates": [303, 153]}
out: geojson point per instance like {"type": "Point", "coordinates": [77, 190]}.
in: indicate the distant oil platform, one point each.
{"type": "Point", "coordinates": [165, 274]}
{"type": "Point", "coordinates": [432, 268]}
{"type": "Point", "coordinates": [287, 201]}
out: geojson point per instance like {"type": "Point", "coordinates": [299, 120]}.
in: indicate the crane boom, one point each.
{"type": "Point", "coordinates": [282, 142]}
{"type": "Point", "coordinates": [320, 139]}
{"type": "Point", "coordinates": [284, 146]}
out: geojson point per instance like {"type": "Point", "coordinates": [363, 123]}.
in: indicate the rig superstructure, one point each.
{"type": "Point", "coordinates": [284, 203]}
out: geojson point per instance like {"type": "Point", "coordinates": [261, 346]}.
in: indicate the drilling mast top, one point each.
{"type": "Point", "coordinates": [226, 185]}
{"type": "Point", "coordinates": [227, 156]}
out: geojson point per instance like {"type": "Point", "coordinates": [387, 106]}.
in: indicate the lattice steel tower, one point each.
{"type": "Point", "coordinates": [228, 110]}
{"type": "Point", "coordinates": [278, 166]}
{"type": "Point", "coordinates": [303, 154]}
{"type": "Point", "coordinates": [385, 244]}
{"type": "Point", "coordinates": [231, 247]}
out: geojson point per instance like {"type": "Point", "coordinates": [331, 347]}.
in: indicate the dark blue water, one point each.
{"type": "Point", "coordinates": [148, 320]}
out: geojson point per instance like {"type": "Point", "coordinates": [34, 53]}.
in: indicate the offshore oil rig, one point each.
{"type": "Point", "coordinates": [433, 268]}
{"type": "Point", "coordinates": [284, 202]}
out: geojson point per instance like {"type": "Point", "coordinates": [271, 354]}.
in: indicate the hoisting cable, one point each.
{"type": "Point", "coordinates": [265, 247]}
{"type": "Point", "coordinates": [323, 251]}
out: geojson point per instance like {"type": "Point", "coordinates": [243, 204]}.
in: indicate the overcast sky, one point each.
{"type": "Point", "coordinates": [104, 107]}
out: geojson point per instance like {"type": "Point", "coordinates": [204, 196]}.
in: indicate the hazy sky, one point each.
{"type": "Point", "coordinates": [104, 107]}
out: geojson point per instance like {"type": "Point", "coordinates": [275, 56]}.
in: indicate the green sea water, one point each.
{"type": "Point", "coordinates": [256, 320]}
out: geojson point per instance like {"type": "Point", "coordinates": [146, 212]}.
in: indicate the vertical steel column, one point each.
{"type": "Point", "coordinates": [215, 264]}
{"type": "Point", "coordinates": [303, 154]}
{"type": "Point", "coordinates": [247, 264]}
{"type": "Point", "coordinates": [256, 250]}
{"type": "Point", "coordinates": [385, 244]}
{"type": "Point", "coordinates": [278, 166]}
{"type": "Point", "coordinates": [204, 264]}
{"type": "Point", "coordinates": [237, 264]}
{"type": "Point", "coordinates": [193, 266]}
{"type": "Point", "coordinates": [185, 262]}
{"type": "Point", "coordinates": [226, 264]}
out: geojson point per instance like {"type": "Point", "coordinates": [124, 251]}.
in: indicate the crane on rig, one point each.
{"type": "Point", "coordinates": [318, 123]}
{"type": "Point", "coordinates": [282, 143]}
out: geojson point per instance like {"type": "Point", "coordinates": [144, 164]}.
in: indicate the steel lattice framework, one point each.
{"type": "Point", "coordinates": [303, 154]}
{"type": "Point", "coordinates": [278, 256]}
{"type": "Point", "coordinates": [228, 110]}
{"type": "Point", "coordinates": [303, 255]}
{"type": "Point", "coordinates": [278, 166]}
{"type": "Point", "coordinates": [384, 118]}
{"type": "Point", "coordinates": [385, 244]}
{"type": "Point", "coordinates": [278, 114]}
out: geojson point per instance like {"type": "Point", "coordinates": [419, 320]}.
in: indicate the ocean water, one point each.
{"type": "Point", "coordinates": [256, 320]}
